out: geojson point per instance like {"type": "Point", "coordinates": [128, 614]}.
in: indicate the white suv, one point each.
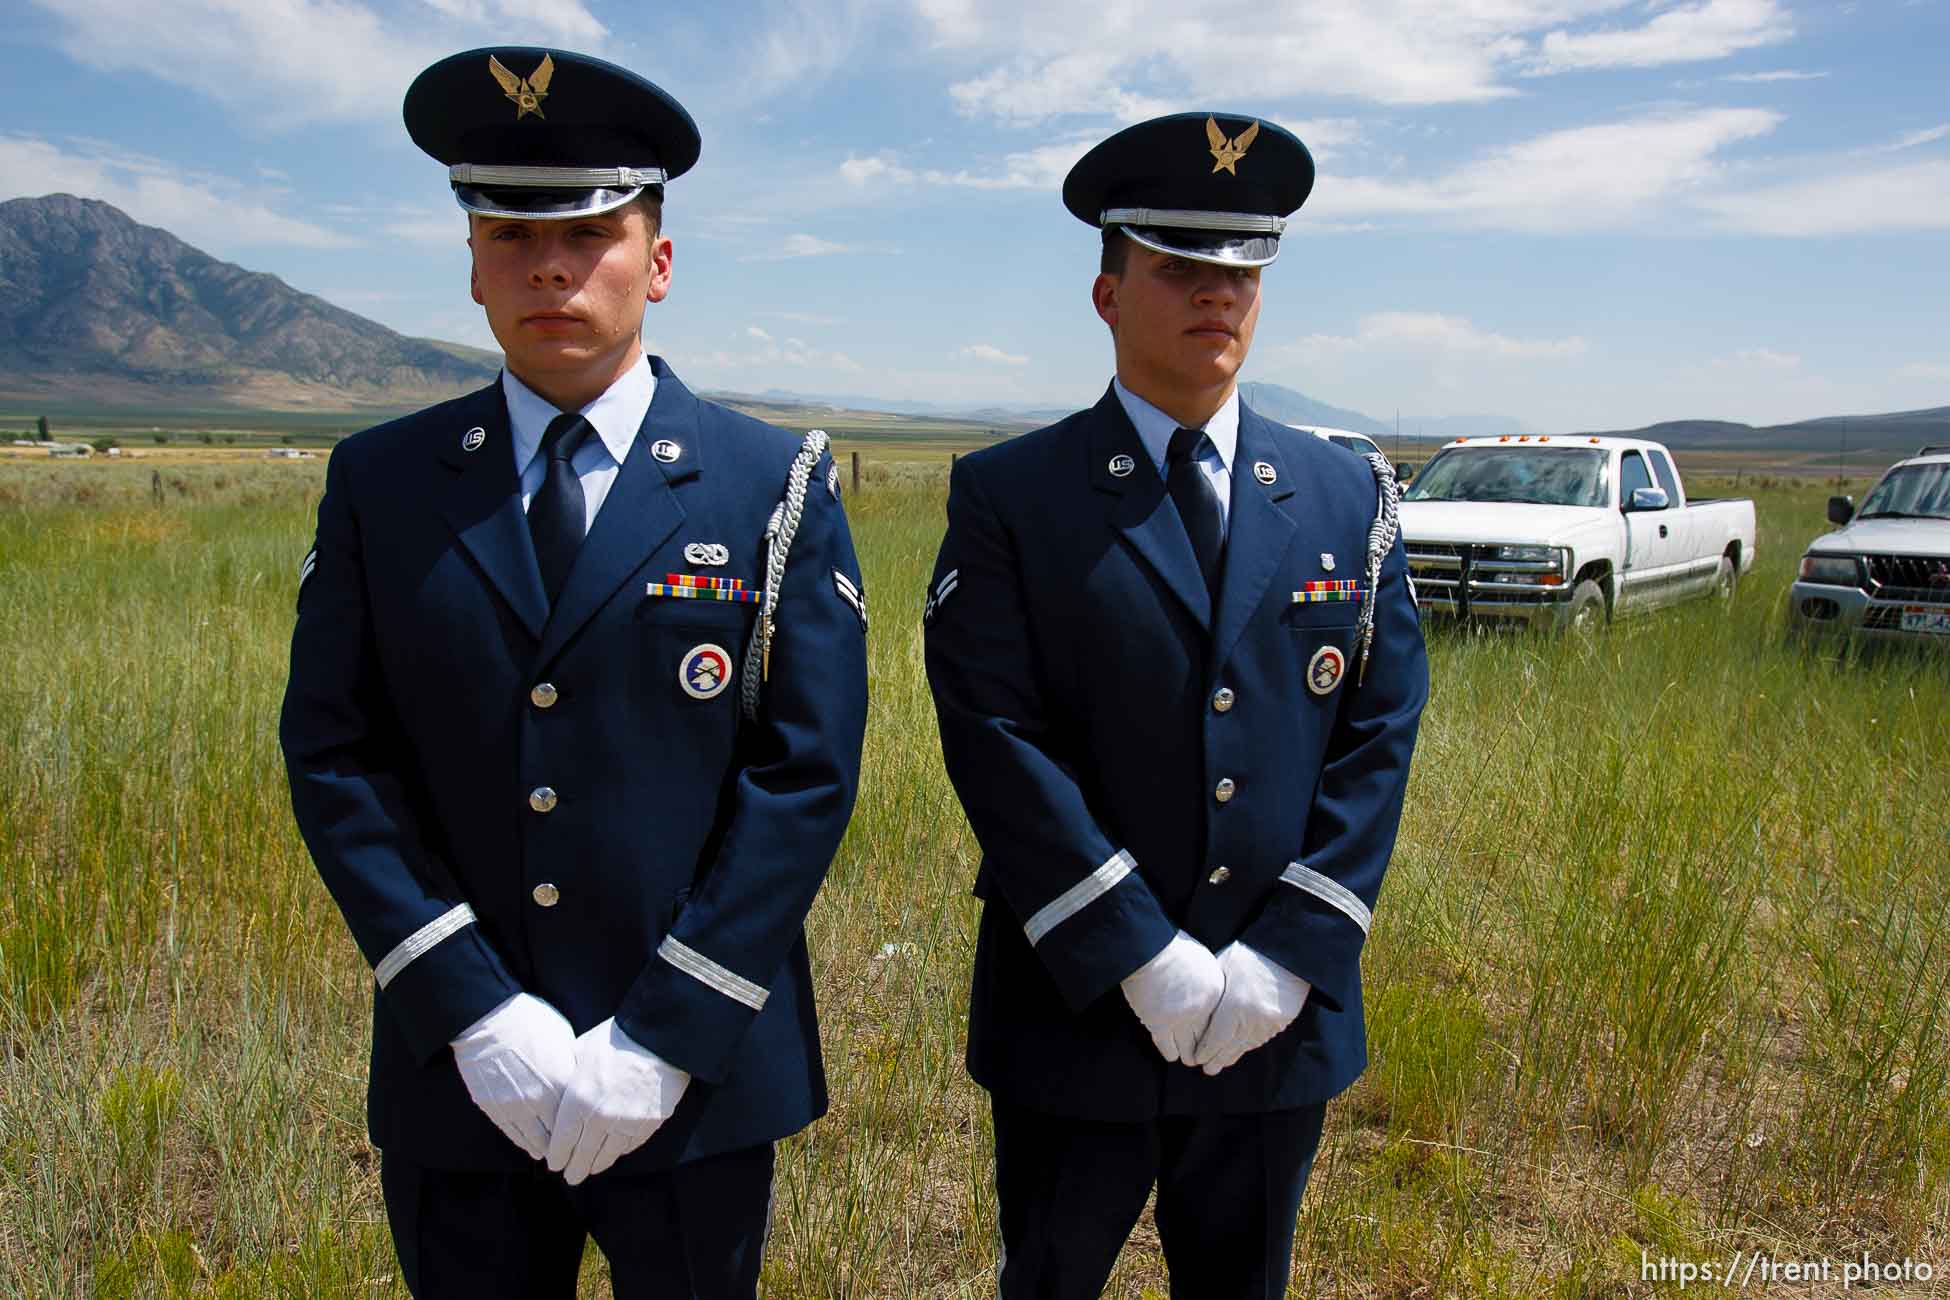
{"type": "Point", "coordinates": [1886, 574]}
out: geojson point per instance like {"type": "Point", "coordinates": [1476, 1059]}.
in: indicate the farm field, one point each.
{"type": "Point", "coordinates": [1661, 971]}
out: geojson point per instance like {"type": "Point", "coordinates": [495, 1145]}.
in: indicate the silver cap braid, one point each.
{"type": "Point", "coordinates": [1381, 540]}
{"type": "Point", "coordinates": [779, 532]}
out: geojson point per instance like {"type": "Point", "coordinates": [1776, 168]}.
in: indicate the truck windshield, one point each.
{"type": "Point", "coordinates": [1912, 491]}
{"type": "Point", "coordinates": [1573, 476]}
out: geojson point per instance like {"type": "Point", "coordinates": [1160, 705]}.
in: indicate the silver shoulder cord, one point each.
{"type": "Point", "coordinates": [779, 532]}
{"type": "Point", "coordinates": [1381, 540]}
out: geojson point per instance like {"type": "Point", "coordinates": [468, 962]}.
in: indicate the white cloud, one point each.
{"type": "Point", "coordinates": [759, 351]}
{"type": "Point", "coordinates": [1936, 370]}
{"type": "Point", "coordinates": [1712, 29]}
{"type": "Point", "coordinates": [993, 355]}
{"type": "Point", "coordinates": [1041, 168]}
{"type": "Point", "coordinates": [1780, 74]}
{"type": "Point", "coordinates": [292, 61]}
{"type": "Point", "coordinates": [753, 331]}
{"type": "Point", "coordinates": [1764, 358]}
{"type": "Point", "coordinates": [879, 167]}
{"type": "Point", "coordinates": [1907, 198]}
{"type": "Point", "coordinates": [1915, 139]}
{"type": "Point", "coordinates": [802, 245]}
{"type": "Point", "coordinates": [215, 213]}
{"type": "Point", "coordinates": [1147, 56]}
{"type": "Point", "coordinates": [803, 318]}
{"type": "Point", "coordinates": [1433, 332]}
{"type": "Point", "coordinates": [1563, 180]}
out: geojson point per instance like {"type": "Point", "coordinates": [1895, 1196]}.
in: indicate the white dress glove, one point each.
{"type": "Point", "coordinates": [621, 1094]}
{"type": "Point", "coordinates": [515, 1061]}
{"type": "Point", "coordinates": [1174, 994]}
{"type": "Point", "coordinates": [1261, 999]}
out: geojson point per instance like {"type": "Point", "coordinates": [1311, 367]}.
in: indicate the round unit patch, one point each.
{"type": "Point", "coordinates": [705, 672]}
{"type": "Point", "coordinates": [1121, 465]}
{"type": "Point", "coordinates": [473, 438]}
{"type": "Point", "coordinates": [1325, 668]}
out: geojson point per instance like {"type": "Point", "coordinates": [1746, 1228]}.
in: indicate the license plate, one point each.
{"type": "Point", "coordinates": [1927, 618]}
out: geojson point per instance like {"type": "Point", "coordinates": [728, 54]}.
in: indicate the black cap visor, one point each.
{"type": "Point", "coordinates": [552, 204]}
{"type": "Point", "coordinates": [1220, 247]}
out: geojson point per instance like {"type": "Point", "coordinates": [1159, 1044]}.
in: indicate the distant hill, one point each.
{"type": "Point", "coordinates": [93, 302]}
{"type": "Point", "coordinates": [1897, 432]}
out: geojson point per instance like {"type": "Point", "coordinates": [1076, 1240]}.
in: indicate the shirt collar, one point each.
{"type": "Point", "coordinates": [1154, 427]}
{"type": "Point", "coordinates": [617, 415]}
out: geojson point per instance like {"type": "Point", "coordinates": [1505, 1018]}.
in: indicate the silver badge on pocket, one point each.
{"type": "Point", "coordinates": [707, 553]}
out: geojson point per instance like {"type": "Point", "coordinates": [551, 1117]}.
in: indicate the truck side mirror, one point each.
{"type": "Point", "coordinates": [1647, 498]}
{"type": "Point", "coordinates": [1840, 510]}
{"type": "Point", "coordinates": [1404, 471]}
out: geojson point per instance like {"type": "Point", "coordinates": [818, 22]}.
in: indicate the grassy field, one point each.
{"type": "Point", "coordinates": [1660, 969]}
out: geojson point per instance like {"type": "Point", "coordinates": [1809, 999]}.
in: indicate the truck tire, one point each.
{"type": "Point", "coordinates": [1587, 614]}
{"type": "Point", "coordinates": [1725, 578]}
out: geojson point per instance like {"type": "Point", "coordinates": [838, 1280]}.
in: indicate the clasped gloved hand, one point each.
{"type": "Point", "coordinates": [515, 1061]}
{"type": "Point", "coordinates": [1261, 999]}
{"type": "Point", "coordinates": [621, 1094]}
{"type": "Point", "coordinates": [1174, 994]}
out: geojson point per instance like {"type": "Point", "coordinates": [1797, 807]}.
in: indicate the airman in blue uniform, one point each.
{"type": "Point", "coordinates": [1178, 674]}
{"type": "Point", "coordinates": [573, 727]}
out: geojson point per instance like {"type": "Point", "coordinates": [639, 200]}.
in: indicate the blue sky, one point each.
{"type": "Point", "coordinates": [1580, 213]}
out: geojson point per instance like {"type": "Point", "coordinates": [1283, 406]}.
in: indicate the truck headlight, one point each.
{"type": "Point", "coordinates": [1834, 570]}
{"type": "Point", "coordinates": [1550, 553]}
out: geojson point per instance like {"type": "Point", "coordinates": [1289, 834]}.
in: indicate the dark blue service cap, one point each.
{"type": "Point", "coordinates": [546, 134]}
{"type": "Point", "coordinates": [1214, 187]}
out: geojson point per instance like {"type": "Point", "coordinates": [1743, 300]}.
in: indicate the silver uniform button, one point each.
{"type": "Point", "coordinates": [1219, 876]}
{"type": "Point", "coordinates": [543, 696]}
{"type": "Point", "coordinates": [1222, 700]}
{"type": "Point", "coordinates": [1223, 792]}
{"type": "Point", "coordinates": [541, 798]}
{"type": "Point", "coordinates": [547, 895]}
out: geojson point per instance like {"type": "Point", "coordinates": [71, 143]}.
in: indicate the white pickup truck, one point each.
{"type": "Point", "coordinates": [1565, 531]}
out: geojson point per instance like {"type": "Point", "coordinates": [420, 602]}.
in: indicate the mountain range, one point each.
{"type": "Point", "coordinates": [95, 306]}
{"type": "Point", "coordinates": [92, 301]}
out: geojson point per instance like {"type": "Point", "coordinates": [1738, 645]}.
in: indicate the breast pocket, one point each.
{"type": "Point", "coordinates": [1322, 635]}
{"type": "Point", "coordinates": [697, 645]}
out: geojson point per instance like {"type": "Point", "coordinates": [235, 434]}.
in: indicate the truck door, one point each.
{"type": "Point", "coordinates": [1646, 557]}
{"type": "Point", "coordinates": [1686, 546]}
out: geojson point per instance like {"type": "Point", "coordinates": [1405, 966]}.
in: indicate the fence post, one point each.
{"type": "Point", "coordinates": [856, 471]}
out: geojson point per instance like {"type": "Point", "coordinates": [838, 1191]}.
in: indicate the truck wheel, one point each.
{"type": "Point", "coordinates": [1725, 578]}
{"type": "Point", "coordinates": [1587, 613]}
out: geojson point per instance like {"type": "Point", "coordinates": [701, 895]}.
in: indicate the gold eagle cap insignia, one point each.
{"type": "Point", "coordinates": [526, 93]}
{"type": "Point", "coordinates": [1227, 153]}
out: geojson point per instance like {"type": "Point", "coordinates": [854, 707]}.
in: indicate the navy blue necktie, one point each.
{"type": "Point", "coordinates": [555, 513]}
{"type": "Point", "coordinates": [1198, 504]}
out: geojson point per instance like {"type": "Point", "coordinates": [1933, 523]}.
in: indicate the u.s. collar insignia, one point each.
{"type": "Point", "coordinates": [1121, 465]}
{"type": "Point", "coordinates": [473, 438]}
{"type": "Point", "coordinates": [527, 94]}
{"type": "Point", "coordinates": [707, 553]}
{"type": "Point", "coordinates": [665, 450]}
{"type": "Point", "coordinates": [1327, 561]}
{"type": "Point", "coordinates": [704, 672]}
{"type": "Point", "coordinates": [1264, 471]}
{"type": "Point", "coordinates": [1227, 153]}
{"type": "Point", "coordinates": [1324, 670]}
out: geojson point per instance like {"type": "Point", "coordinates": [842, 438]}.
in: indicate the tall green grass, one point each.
{"type": "Point", "coordinates": [1660, 966]}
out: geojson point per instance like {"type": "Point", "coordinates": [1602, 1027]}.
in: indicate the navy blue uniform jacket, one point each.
{"type": "Point", "coordinates": [685, 846]}
{"type": "Point", "coordinates": [1092, 699]}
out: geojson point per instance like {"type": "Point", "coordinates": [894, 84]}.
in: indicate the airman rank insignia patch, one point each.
{"type": "Point", "coordinates": [1324, 670]}
{"type": "Point", "coordinates": [689, 586]}
{"type": "Point", "coordinates": [852, 595]}
{"type": "Point", "coordinates": [939, 596]}
{"type": "Point", "coordinates": [705, 672]}
{"type": "Point", "coordinates": [308, 567]}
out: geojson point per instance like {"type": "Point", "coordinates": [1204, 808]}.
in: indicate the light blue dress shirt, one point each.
{"type": "Point", "coordinates": [617, 416]}
{"type": "Point", "coordinates": [1154, 430]}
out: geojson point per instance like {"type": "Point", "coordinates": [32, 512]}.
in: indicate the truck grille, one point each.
{"type": "Point", "coordinates": [1905, 577]}
{"type": "Point", "coordinates": [1438, 569]}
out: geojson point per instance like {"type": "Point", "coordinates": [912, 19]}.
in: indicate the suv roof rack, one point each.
{"type": "Point", "coordinates": [1940, 449]}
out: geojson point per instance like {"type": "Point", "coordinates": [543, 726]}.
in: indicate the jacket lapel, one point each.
{"type": "Point", "coordinates": [1258, 530]}
{"type": "Point", "coordinates": [1142, 510]}
{"type": "Point", "coordinates": [639, 514]}
{"type": "Point", "coordinates": [483, 504]}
